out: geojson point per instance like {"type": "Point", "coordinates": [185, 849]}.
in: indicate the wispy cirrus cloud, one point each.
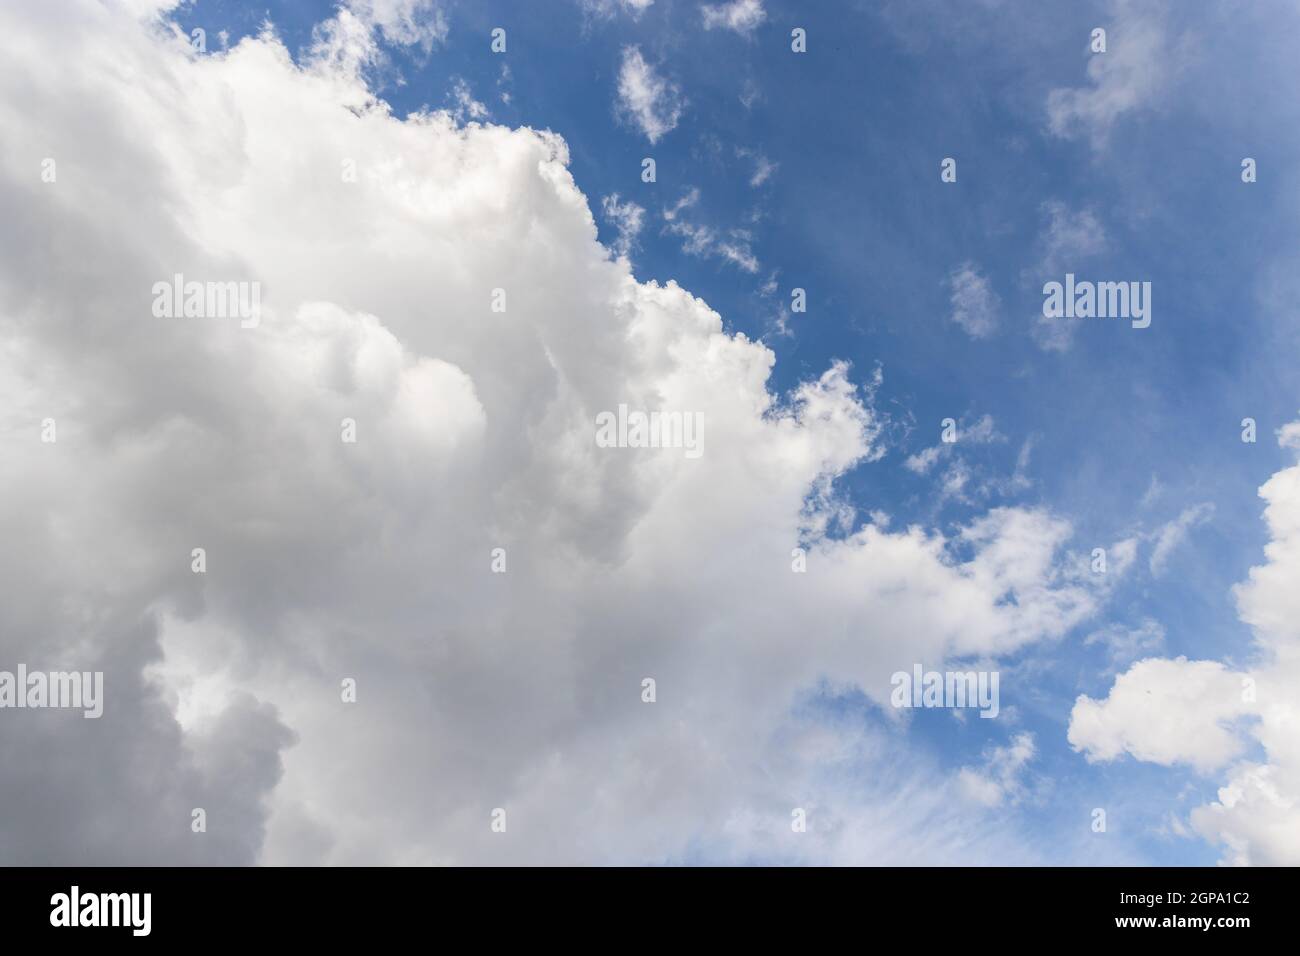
{"type": "Point", "coordinates": [732, 245]}
{"type": "Point", "coordinates": [608, 8]}
{"type": "Point", "coordinates": [627, 217]}
{"type": "Point", "coordinates": [1069, 240]}
{"type": "Point", "coordinates": [1141, 60]}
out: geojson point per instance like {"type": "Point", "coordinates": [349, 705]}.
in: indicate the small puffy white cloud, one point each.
{"type": "Point", "coordinates": [653, 103]}
{"type": "Point", "coordinates": [1166, 712]}
{"type": "Point", "coordinates": [742, 16]}
{"type": "Point", "coordinates": [974, 303]}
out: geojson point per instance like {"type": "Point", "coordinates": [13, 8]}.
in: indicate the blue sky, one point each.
{"type": "Point", "coordinates": [1125, 429]}
{"type": "Point", "coordinates": [821, 171]}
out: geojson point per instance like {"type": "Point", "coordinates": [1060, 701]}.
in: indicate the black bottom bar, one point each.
{"type": "Point", "coordinates": [333, 906]}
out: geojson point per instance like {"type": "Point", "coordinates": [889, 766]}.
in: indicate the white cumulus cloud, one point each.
{"type": "Point", "coordinates": [1206, 714]}
{"type": "Point", "coordinates": [652, 102]}
{"type": "Point", "coordinates": [372, 561]}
